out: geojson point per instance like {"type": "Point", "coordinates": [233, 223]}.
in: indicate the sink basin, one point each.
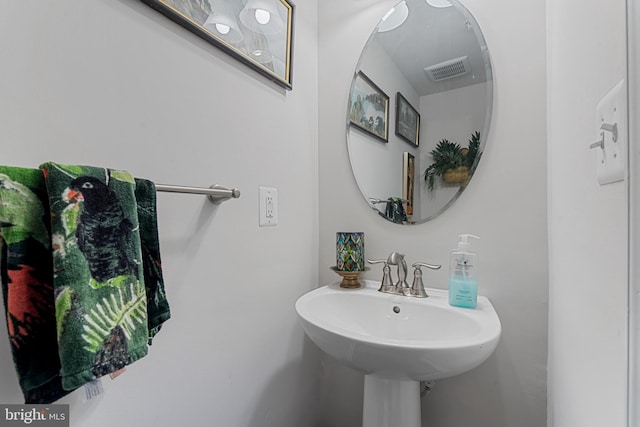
{"type": "Point", "coordinates": [397, 336]}
{"type": "Point", "coordinates": [398, 341]}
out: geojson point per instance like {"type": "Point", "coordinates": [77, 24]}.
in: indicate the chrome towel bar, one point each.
{"type": "Point", "coordinates": [215, 193]}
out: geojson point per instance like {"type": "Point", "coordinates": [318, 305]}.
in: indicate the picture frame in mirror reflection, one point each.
{"type": "Point", "coordinates": [407, 121]}
{"type": "Point", "coordinates": [369, 107]}
{"type": "Point", "coordinates": [258, 33]}
{"type": "Point", "coordinates": [408, 173]}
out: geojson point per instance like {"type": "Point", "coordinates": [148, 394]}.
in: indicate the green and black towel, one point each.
{"type": "Point", "coordinates": [27, 283]}
{"type": "Point", "coordinates": [157, 303]}
{"type": "Point", "coordinates": [81, 274]}
{"type": "Point", "coordinates": [395, 210]}
{"type": "Point", "coordinates": [101, 304]}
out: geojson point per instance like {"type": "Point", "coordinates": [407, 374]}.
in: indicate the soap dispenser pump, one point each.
{"type": "Point", "coordinates": [463, 279]}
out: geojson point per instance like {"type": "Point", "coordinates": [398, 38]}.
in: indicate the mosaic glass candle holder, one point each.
{"type": "Point", "coordinates": [349, 258]}
{"type": "Point", "coordinates": [350, 251]}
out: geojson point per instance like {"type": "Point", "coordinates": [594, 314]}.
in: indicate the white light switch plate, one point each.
{"type": "Point", "coordinates": [611, 156]}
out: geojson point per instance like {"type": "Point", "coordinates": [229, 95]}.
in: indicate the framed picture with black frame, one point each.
{"type": "Point", "coordinates": [369, 107]}
{"type": "Point", "coordinates": [258, 33]}
{"type": "Point", "coordinates": [407, 121]}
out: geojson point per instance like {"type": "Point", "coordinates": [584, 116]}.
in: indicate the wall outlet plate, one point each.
{"type": "Point", "coordinates": [268, 206]}
{"type": "Point", "coordinates": [612, 132]}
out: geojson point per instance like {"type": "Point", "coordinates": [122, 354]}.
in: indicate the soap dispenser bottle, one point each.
{"type": "Point", "coordinates": [463, 279]}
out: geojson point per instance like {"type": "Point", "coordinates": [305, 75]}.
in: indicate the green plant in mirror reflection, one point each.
{"type": "Point", "coordinates": [453, 162]}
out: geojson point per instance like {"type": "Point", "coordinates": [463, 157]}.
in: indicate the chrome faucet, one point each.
{"type": "Point", "coordinates": [401, 287]}
{"type": "Point", "coordinates": [397, 259]}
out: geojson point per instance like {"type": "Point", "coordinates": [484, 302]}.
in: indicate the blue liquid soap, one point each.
{"type": "Point", "coordinates": [463, 278]}
{"type": "Point", "coordinates": [463, 292]}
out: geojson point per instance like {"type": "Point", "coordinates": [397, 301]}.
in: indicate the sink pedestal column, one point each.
{"type": "Point", "coordinates": [390, 402]}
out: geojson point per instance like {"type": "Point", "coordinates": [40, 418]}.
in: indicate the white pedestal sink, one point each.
{"type": "Point", "coordinates": [397, 341]}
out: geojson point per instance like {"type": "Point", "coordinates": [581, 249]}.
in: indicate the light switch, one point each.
{"type": "Point", "coordinates": [611, 141]}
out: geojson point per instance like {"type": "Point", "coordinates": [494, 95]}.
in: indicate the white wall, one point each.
{"type": "Point", "coordinates": [454, 115]}
{"type": "Point", "coordinates": [587, 223]}
{"type": "Point", "coordinates": [115, 83]}
{"type": "Point", "coordinates": [505, 204]}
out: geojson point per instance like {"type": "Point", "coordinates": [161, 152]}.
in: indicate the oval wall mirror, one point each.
{"type": "Point", "coordinates": [419, 109]}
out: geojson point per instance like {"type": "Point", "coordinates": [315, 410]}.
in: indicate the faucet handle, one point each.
{"type": "Point", "coordinates": [417, 265]}
{"type": "Point", "coordinates": [386, 284]}
{"type": "Point", "coordinates": [417, 288]}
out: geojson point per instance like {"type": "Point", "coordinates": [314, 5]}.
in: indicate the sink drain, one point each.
{"type": "Point", "coordinates": [396, 309]}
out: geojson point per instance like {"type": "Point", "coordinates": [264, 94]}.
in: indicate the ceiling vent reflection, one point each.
{"type": "Point", "coordinates": [448, 69]}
